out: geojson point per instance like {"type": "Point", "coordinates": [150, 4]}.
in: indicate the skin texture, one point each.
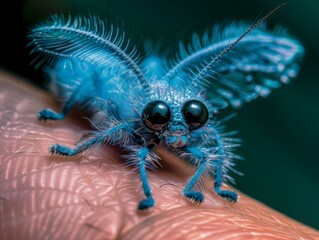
{"type": "Point", "coordinates": [94, 196]}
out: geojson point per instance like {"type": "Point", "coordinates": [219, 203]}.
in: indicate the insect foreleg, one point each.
{"type": "Point", "coordinates": [98, 138]}
{"type": "Point", "coordinates": [149, 201]}
{"type": "Point", "coordinates": [202, 160]}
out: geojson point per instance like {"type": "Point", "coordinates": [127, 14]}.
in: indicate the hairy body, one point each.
{"type": "Point", "coordinates": [137, 108]}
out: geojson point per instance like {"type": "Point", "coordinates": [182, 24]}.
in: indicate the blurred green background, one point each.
{"type": "Point", "coordinates": [280, 133]}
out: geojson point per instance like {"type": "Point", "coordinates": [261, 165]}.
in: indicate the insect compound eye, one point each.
{"type": "Point", "coordinates": [195, 114]}
{"type": "Point", "coordinates": [156, 115]}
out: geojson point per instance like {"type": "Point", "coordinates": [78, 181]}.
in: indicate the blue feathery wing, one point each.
{"type": "Point", "coordinates": [260, 62]}
{"type": "Point", "coordinates": [81, 49]}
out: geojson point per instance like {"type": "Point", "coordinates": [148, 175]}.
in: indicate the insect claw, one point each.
{"type": "Point", "coordinates": [48, 114]}
{"type": "Point", "coordinates": [146, 204]}
{"type": "Point", "coordinates": [230, 196]}
{"type": "Point", "coordinates": [194, 196]}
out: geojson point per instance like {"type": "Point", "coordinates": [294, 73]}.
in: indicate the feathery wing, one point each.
{"type": "Point", "coordinates": [85, 39]}
{"type": "Point", "coordinates": [260, 62]}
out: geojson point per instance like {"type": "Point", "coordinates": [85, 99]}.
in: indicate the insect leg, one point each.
{"type": "Point", "coordinates": [85, 144]}
{"type": "Point", "coordinates": [149, 201]}
{"type": "Point", "coordinates": [219, 172]}
{"type": "Point", "coordinates": [80, 147]}
{"type": "Point", "coordinates": [49, 114]}
{"type": "Point", "coordinates": [188, 191]}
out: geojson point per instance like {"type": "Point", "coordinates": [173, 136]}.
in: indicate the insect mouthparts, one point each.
{"type": "Point", "coordinates": [176, 140]}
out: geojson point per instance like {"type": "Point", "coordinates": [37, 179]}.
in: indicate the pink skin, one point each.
{"type": "Point", "coordinates": [93, 196]}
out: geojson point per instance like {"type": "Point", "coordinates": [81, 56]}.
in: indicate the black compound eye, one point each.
{"type": "Point", "coordinates": [195, 114]}
{"type": "Point", "coordinates": [156, 115]}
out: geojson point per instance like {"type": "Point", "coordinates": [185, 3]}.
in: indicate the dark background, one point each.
{"type": "Point", "coordinates": [280, 133]}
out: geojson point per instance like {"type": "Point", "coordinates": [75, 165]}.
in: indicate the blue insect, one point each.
{"type": "Point", "coordinates": [137, 104]}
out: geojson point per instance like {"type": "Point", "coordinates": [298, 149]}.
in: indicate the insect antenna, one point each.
{"type": "Point", "coordinates": [197, 78]}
